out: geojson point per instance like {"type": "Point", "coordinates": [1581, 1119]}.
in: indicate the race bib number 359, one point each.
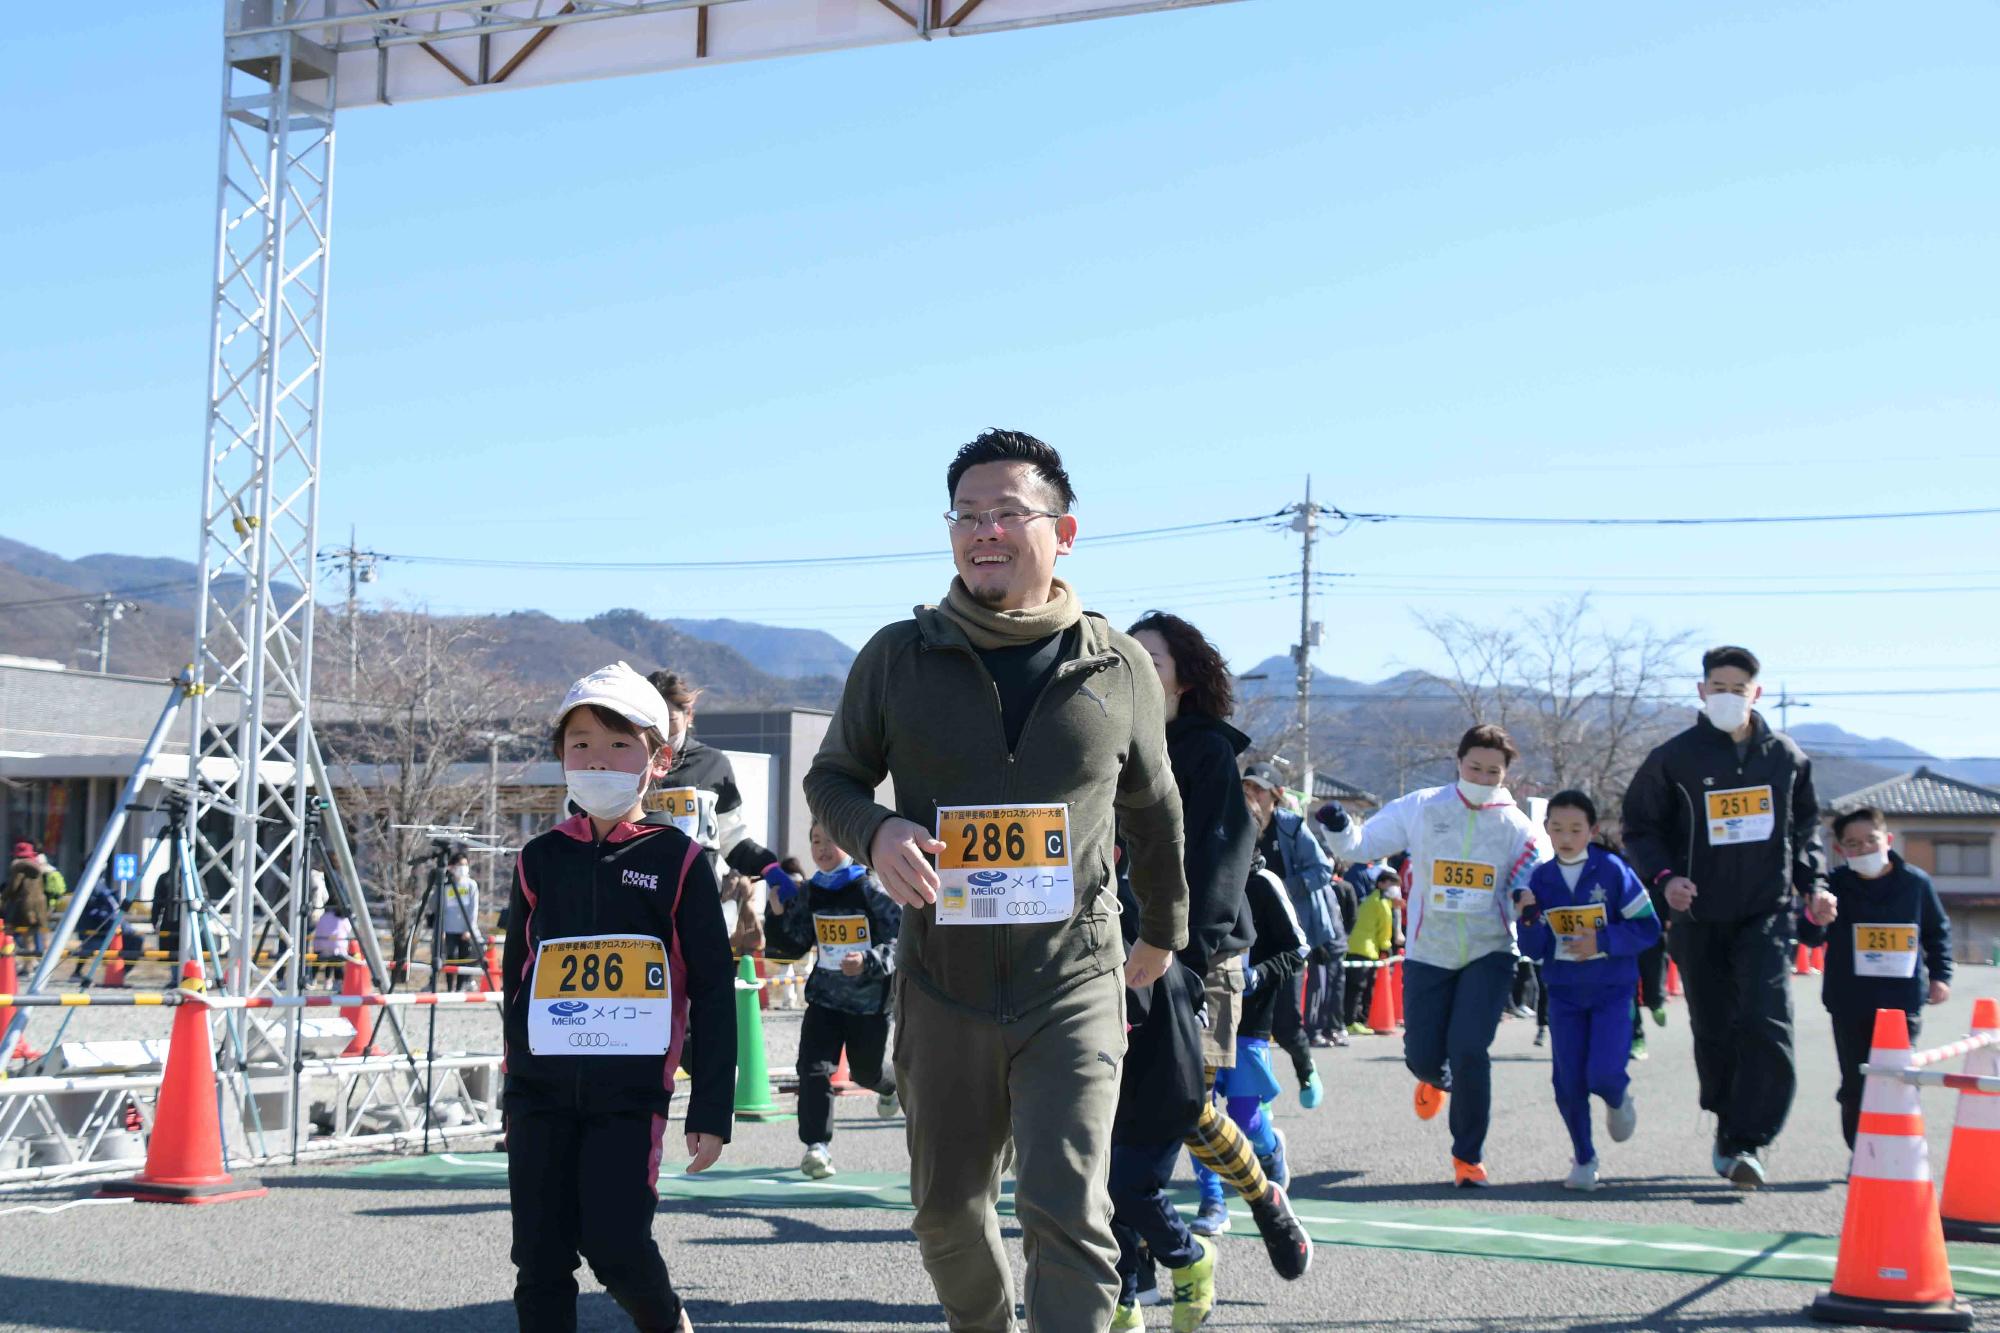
{"type": "Point", "coordinates": [1004, 865]}
{"type": "Point", "coordinates": [600, 995]}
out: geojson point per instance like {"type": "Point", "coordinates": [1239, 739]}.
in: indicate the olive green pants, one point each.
{"type": "Point", "coordinates": [1050, 1080]}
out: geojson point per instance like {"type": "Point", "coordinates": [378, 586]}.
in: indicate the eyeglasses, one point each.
{"type": "Point", "coordinates": [971, 520]}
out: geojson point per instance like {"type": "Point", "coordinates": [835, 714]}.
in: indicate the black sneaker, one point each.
{"type": "Point", "coordinates": [1290, 1248]}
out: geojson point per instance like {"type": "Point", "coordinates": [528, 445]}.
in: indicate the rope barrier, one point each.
{"type": "Point", "coordinates": [1964, 1046]}
{"type": "Point", "coordinates": [1937, 1078]}
{"type": "Point", "coordinates": [169, 999]}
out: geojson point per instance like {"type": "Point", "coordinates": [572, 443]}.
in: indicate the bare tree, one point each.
{"type": "Point", "coordinates": [411, 751]}
{"type": "Point", "coordinates": [1580, 697]}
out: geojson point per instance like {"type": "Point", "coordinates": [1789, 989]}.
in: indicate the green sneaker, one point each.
{"type": "Point", "coordinates": [1638, 1048]}
{"type": "Point", "coordinates": [1194, 1289]}
{"type": "Point", "coordinates": [1127, 1316]}
{"type": "Point", "coordinates": [1660, 1016]}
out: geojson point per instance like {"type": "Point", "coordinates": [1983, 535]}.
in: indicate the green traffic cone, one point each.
{"type": "Point", "coordinates": [753, 1077]}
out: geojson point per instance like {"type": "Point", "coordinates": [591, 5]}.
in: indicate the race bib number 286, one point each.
{"type": "Point", "coordinates": [1004, 865]}
{"type": "Point", "coordinates": [600, 995]}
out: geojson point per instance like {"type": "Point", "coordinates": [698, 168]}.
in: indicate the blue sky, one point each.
{"type": "Point", "coordinates": [1555, 260]}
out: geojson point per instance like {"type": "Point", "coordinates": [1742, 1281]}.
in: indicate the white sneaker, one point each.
{"type": "Point", "coordinates": [886, 1105]}
{"type": "Point", "coordinates": [1582, 1176]}
{"type": "Point", "coordinates": [817, 1164]}
{"type": "Point", "coordinates": [1621, 1120]}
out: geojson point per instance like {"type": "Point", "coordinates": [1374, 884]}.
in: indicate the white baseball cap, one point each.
{"type": "Point", "coordinates": [622, 690]}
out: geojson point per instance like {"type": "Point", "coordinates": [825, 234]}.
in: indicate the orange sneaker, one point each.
{"type": "Point", "coordinates": [1469, 1175]}
{"type": "Point", "coordinates": [1429, 1100]}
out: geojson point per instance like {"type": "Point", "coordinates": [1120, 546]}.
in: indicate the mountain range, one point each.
{"type": "Point", "coordinates": [746, 665]}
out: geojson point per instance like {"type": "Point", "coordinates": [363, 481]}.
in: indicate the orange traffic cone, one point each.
{"type": "Point", "coordinates": [355, 980]}
{"type": "Point", "coordinates": [10, 984]}
{"type": "Point", "coordinates": [114, 961]}
{"type": "Point", "coordinates": [1971, 1206]}
{"type": "Point", "coordinates": [1382, 1002]}
{"type": "Point", "coordinates": [184, 1156]}
{"type": "Point", "coordinates": [1802, 962]}
{"type": "Point", "coordinates": [489, 980]}
{"type": "Point", "coordinates": [843, 1081]}
{"type": "Point", "coordinates": [1818, 961]}
{"type": "Point", "coordinates": [1396, 989]}
{"type": "Point", "coordinates": [1891, 1271]}
{"type": "Point", "coordinates": [1673, 978]}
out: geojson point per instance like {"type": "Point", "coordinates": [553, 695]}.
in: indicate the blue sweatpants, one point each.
{"type": "Point", "coordinates": [1590, 1028]}
{"type": "Point", "coordinates": [1142, 1216]}
{"type": "Point", "coordinates": [1449, 1018]}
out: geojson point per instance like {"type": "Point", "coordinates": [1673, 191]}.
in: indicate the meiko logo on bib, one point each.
{"type": "Point", "coordinates": [639, 879]}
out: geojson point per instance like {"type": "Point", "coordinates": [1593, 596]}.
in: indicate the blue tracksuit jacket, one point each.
{"type": "Point", "coordinates": [1607, 895]}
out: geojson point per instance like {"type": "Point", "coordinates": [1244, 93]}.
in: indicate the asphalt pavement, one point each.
{"type": "Point", "coordinates": [364, 1244]}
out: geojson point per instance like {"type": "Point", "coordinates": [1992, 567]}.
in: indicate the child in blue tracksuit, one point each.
{"type": "Point", "coordinates": [1587, 917]}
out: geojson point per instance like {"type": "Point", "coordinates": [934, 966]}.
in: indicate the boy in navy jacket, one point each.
{"type": "Point", "coordinates": [1587, 918]}
{"type": "Point", "coordinates": [1889, 947]}
{"type": "Point", "coordinates": [847, 924]}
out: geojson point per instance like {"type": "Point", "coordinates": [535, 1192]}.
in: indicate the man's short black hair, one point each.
{"type": "Point", "coordinates": [1013, 446]}
{"type": "Point", "coordinates": [1860, 814]}
{"type": "Point", "coordinates": [1729, 655]}
{"type": "Point", "coordinates": [1572, 799]}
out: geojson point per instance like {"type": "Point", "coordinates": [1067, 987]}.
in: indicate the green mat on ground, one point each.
{"type": "Point", "coordinates": [1786, 1256]}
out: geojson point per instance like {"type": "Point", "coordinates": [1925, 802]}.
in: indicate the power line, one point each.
{"type": "Point", "coordinates": [1522, 520]}
{"type": "Point", "coordinates": [86, 597]}
{"type": "Point", "coordinates": [797, 562]}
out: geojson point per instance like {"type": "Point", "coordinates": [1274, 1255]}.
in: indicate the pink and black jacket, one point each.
{"type": "Point", "coordinates": [645, 880]}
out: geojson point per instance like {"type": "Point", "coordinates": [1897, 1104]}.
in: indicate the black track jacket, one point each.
{"type": "Point", "coordinates": [647, 880]}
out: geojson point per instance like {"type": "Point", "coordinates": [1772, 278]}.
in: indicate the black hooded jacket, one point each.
{"type": "Point", "coordinates": [1221, 837]}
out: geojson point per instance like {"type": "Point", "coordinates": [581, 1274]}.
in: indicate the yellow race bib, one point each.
{"type": "Point", "coordinates": [1463, 886]}
{"type": "Point", "coordinates": [1571, 924]}
{"type": "Point", "coordinates": [1740, 814]}
{"type": "Point", "coordinates": [1885, 951]}
{"type": "Point", "coordinates": [1004, 865]}
{"type": "Point", "coordinates": [840, 936]}
{"type": "Point", "coordinates": [600, 995]}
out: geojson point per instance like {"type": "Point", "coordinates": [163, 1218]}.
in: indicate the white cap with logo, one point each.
{"type": "Point", "coordinates": [622, 690]}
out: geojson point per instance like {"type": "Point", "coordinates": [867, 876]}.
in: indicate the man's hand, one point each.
{"type": "Point", "coordinates": [1822, 907]}
{"type": "Point", "coordinates": [851, 965]}
{"type": "Point", "coordinates": [897, 855]}
{"type": "Point", "coordinates": [1524, 899]}
{"type": "Point", "coordinates": [1940, 992]}
{"type": "Point", "coordinates": [704, 1149]}
{"type": "Point", "coordinates": [1146, 965]}
{"type": "Point", "coordinates": [1680, 893]}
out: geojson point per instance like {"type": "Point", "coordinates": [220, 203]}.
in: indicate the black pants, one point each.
{"type": "Point", "coordinates": [584, 1185]}
{"type": "Point", "coordinates": [1737, 975]}
{"type": "Point", "coordinates": [1288, 1030]}
{"type": "Point", "coordinates": [1324, 993]}
{"type": "Point", "coordinates": [1653, 975]}
{"type": "Point", "coordinates": [1853, 1034]}
{"type": "Point", "coordinates": [1360, 993]}
{"type": "Point", "coordinates": [457, 945]}
{"type": "Point", "coordinates": [821, 1035]}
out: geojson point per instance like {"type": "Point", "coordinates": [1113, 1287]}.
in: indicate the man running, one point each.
{"type": "Point", "coordinates": [1725, 817]}
{"type": "Point", "coordinates": [1016, 728]}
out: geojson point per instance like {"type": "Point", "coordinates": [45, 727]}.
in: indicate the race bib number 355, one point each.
{"type": "Point", "coordinates": [1004, 865]}
{"type": "Point", "coordinates": [600, 995]}
{"type": "Point", "coordinates": [1463, 886]}
{"type": "Point", "coordinates": [1577, 924]}
{"type": "Point", "coordinates": [1741, 814]}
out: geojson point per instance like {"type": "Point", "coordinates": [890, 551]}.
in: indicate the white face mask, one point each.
{"type": "Point", "coordinates": [1727, 711]}
{"type": "Point", "coordinates": [603, 793]}
{"type": "Point", "coordinates": [1476, 794]}
{"type": "Point", "coordinates": [1870, 864]}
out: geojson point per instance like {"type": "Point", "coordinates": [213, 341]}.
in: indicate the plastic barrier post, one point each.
{"type": "Point", "coordinates": [753, 1075]}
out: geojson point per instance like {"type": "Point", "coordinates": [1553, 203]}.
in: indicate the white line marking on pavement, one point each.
{"type": "Point", "coordinates": [456, 1160]}
{"type": "Point", "coordinates": [57, 1208]}
{"type": "Point", "coordinates": [822, 1185]}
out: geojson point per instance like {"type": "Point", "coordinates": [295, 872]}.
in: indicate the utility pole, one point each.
{"type": "Point", "coordinates": [1786, 703]}
{"type": "Point", "coordinates": [103, 610]}
{"type": "Point", "coordinates": [360, 568]}
{"type": "Point", "coordinates": [1305, 520]}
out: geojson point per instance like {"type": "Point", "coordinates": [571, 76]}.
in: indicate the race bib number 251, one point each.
{"type": "Point", "coordinates": [600, 995]}
{"type": "Point", "coordinates": [1004, 865]}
